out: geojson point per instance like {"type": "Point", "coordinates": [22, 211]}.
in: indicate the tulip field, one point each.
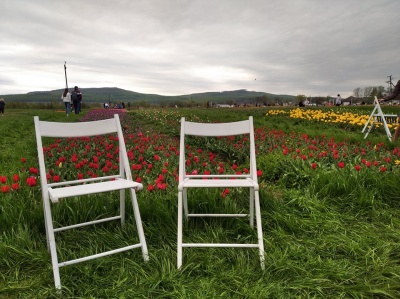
{"type": "Point", "coordinates": [330, 204]}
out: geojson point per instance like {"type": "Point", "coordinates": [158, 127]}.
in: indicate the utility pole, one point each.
{"type": "Point", "coordinates": [65, 72]}
{"type": "Point", "coordinates": [390, 83]}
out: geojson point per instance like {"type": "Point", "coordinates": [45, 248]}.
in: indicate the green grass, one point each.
{"type": "Point", "coordinates": [327, 234]}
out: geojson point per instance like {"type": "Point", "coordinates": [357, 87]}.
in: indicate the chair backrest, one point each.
{"type": "Point", "coordinates": [81, 129]}
{"type": "Point", "coordinates": [217, 130]}
{"type": "Point", "coordinates": [92, 128]}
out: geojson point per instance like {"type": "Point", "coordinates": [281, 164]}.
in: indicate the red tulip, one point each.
{"type": "Point", "coordinates": [33, 170]}
{"type": "Point", "coordinates": [31, 181]}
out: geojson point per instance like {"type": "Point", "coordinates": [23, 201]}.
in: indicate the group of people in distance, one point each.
{"type": "Point", "coordinates": [72, 100]}
{"type": "Point", "coordinates": [338, 101]}
{"type": "Point", "coordinates": [116, 106]}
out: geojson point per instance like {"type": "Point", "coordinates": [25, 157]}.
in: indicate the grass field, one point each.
{"type": "Point", "coordinates": [330, 204]}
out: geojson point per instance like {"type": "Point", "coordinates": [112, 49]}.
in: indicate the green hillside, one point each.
{"type": "Point", "coordinates": [113, 94]}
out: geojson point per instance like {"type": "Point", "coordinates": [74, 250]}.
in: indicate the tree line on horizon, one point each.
{"type": "Point", "coordinates": [232, 98]}
{"type": "Point", "coordinates": [364, 95]}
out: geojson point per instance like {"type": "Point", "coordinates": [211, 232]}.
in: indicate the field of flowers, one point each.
{"type": "Point", "coordinates": [330, 209]}
{"type": "Point", "coordinates": [154, 156]}
{"type": "Point", "coordinates": [351, 118]}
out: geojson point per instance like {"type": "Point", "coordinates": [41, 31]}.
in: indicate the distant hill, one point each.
{"type": "Point", "coordinates": [114, 94]}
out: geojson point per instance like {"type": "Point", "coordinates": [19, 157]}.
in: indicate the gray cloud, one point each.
{"type": "Point", "coordinates": [312, 47]}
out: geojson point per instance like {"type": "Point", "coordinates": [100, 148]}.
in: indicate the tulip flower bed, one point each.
{"type": "Point", "coordinates": [345, 118]}
{"type": "Point", "coordinates": [330, 210]}
{"type": "Point", "coordinates": [154, 156]}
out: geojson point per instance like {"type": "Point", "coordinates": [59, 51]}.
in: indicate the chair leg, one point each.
{"type": "Point", "coordinates": [45, 225]}
{"type": "Point", "coordinates": [180, 207]}
{"type": "Point", "coordinates": [259, 229]}
{"type": "Point", "coordinates": [185, 205]}
{"type": "Point", "coordinates": [122, 206]}
{"type": "Point", "coordinates": [47, 233]}
{"type": "Point", "coordinates": [139, 225]}
{"type": "Point", "coordinates": [252, 207]}
{"type": "Point", "coordinates": [51, 243]}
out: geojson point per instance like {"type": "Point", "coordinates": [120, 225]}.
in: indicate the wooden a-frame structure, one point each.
{"type": "Point", "coordinates": [377, 116]}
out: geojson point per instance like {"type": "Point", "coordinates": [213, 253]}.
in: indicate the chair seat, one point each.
{"type": "Point", "coordinates": [91, 188]}
{"type": "Point", "coordinates": [210, 183]}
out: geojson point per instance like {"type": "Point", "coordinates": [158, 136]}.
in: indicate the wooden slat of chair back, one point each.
{"type": "Point", "coordinates": [56, 129]}
{"type": "Point", "coordinates": [215, 129]}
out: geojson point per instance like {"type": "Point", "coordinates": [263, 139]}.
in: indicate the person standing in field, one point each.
{"type": "Point", "coordinates": [76, 98]}
{"type": "Point", "coordinates": [389, 97]}
{"type": "Point", "coordinates": [338, 101]}
{"type": "Point", "coordinates": [66, 98]}
{"type": "Point", "coordinates": [2, 104]}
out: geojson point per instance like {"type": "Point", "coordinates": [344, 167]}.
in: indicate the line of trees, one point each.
{"type": "Point", "coordinates": [369, 92]}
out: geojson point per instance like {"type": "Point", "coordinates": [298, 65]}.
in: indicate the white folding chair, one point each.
{"type": "Point", "coordinates": [377, 116]}
{"type": "Point", "coordinates": [187, 181]}
{"type": "Point", "coordinates": [53, 192]}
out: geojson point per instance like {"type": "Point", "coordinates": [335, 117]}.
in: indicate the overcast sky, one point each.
{"type": "Point", "coordinates": [175, 47]}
